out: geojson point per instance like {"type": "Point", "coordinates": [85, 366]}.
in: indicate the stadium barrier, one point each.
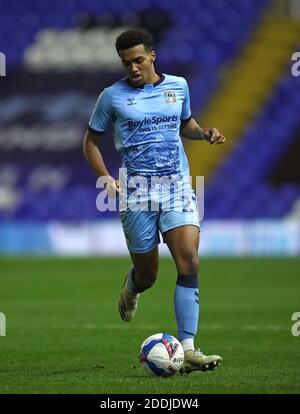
{"type": "Point", "coordinates": [105, 238]}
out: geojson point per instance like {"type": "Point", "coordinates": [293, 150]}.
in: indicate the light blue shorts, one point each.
{"type": "Point", "coordinates": [142, 228]}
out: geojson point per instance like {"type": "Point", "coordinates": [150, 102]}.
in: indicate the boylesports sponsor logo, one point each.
{"type": "Point", "coordinates": [154, 120]}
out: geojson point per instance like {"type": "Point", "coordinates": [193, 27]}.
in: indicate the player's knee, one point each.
{"type": "Point", "coordinates": [189, 264]}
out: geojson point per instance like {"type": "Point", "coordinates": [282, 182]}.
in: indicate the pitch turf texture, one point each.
{"type": "Point", "coordinates": [64, 334]}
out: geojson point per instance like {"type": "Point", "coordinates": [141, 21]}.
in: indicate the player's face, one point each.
{"type": "Point", "coordinates": [138, 65]}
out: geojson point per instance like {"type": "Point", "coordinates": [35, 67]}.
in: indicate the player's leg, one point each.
{"type": "Point", "coordinates": [145, 269]}
{"type": "Point", "coordinates": [183, 243]}
{"type": "Point", "coordinates": [142, 236]}
{"type": "Point", "coordinates": [139, 278]}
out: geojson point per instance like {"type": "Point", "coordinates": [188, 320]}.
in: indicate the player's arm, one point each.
{"type": "Point", "coordinates": [190, 129]}
{"type": "Point", "coordinates": [95, 161]}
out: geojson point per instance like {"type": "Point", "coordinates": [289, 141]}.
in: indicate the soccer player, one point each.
{"type": "Point", "coordinates": [149, 111]}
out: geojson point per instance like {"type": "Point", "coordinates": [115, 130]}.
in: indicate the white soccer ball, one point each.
{"type": "Point", "coordinates": [161, 355]}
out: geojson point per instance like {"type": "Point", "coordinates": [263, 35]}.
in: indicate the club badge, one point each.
{"type": "Point", "coordinates": [170, 96]}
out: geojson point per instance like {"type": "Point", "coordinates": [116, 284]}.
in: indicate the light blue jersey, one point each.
{"type": "Point", "coordinates": [146, 123]}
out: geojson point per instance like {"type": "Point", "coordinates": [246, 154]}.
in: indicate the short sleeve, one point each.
{"type": "Point", "coordinates": [102, 115]}
{"type": "Point", "coordinates": [186, 108]}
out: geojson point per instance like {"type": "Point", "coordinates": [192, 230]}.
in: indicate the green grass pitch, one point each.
{"type": "Point", "coordinates": [64, 335]}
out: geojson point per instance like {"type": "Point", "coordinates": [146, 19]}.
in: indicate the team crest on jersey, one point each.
{"type": "Point", "coordinates": [170, 96]}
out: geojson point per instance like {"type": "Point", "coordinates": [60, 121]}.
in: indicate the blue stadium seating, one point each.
{"type": "Point", "coordinates": [239, 188]}
{"type": "Point", "coordinates": [192, 35]}
{"type": "Point", "coordinates": [248, 193]}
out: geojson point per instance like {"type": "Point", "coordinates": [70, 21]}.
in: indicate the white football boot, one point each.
{"type": "Point", "coordinates": [195, 360]}
{"type": "Point", "coordinates": [127, 303]}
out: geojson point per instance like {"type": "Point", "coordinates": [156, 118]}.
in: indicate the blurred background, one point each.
{"type": "Point", "coordinates": [237, 58]}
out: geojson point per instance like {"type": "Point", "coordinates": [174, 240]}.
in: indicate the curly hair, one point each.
{"type": "Point", "coordinates": [134, 37]}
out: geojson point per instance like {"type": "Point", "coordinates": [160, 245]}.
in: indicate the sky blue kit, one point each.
{"type": "Point", "coordinates": [146, 122]}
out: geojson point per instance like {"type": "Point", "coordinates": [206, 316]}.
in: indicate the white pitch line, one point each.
{"type": "Point", "coordinates": [159, 328]}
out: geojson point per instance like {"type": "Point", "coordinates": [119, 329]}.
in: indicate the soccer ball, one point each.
{"type": "Point", "coordinates": [161, 355]}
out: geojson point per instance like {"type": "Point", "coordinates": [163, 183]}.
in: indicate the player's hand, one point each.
{"type": "Point", "coordinates": [111, 186]}
{"type": "Point", "coordinates": [213, 136]}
